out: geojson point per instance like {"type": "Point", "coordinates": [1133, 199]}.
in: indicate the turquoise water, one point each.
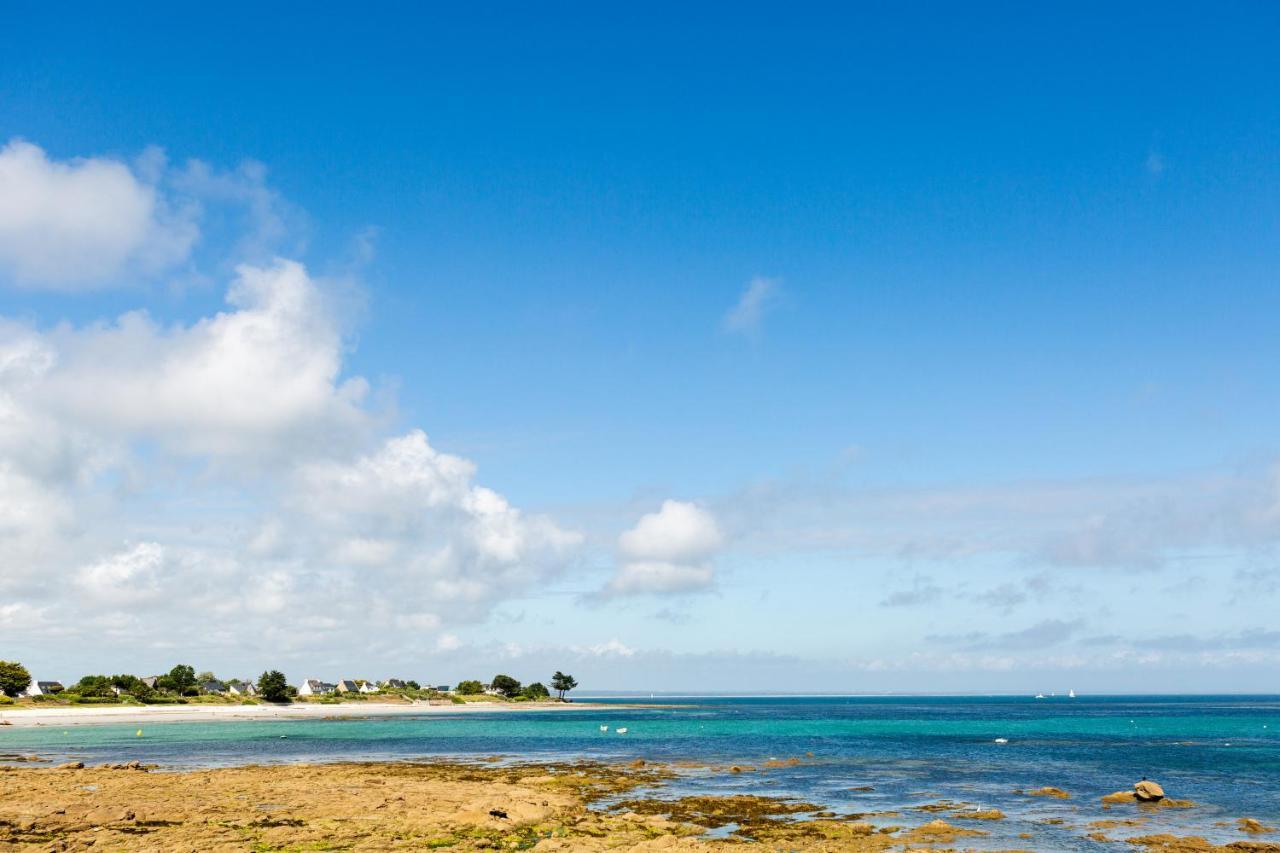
{"type": "Point", "coordinates": [1222, 752]}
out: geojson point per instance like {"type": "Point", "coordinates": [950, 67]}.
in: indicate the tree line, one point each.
{"type": "Point", "coordinates": [271, 686]}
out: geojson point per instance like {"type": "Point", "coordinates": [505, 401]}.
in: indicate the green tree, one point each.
{"type": "Point", "coordinates": [562, 683]}
{"type": "Point", "coordinates": [536, 691]}
{"type": "Point", "coordinates": [182, 679]}
{"type": "Point", "coordinates": [413, 685]}
{"type": "Point", "coordinates": [273, 687]}
{"type": "Point", "coordinates": [132, 685]}
{"type": "Point", "coordinates": [469, 688]}
{"type": "Point", "coordinates": [506, 685]}
{"type": "Point", "coordinates": [93, 685]}
{"type": "Point", "coordinates": [14, 678]}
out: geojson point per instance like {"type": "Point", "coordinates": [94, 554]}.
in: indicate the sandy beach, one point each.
{"type": "Point", "coordinates": [85, 715]}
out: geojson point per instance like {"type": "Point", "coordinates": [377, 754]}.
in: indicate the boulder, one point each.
{"type": "Point", "coordinates": [1148, 792]}
{"type": "Point", "coordinates": [1049, 791]}
{"type": "Point", "coordinates": [71, 765]}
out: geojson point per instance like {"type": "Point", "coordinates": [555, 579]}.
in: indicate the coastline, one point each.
{"type": "Point", "coordinates": [88, 715]}
{"type": "Point", "coordinates": [582, 805]}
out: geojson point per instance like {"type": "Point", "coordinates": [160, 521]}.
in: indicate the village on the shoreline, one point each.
{"type": "Point", "coordinates": [183, 685]}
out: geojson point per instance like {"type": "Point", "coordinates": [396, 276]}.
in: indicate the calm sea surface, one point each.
{"type": "Point", "coordinates": [1221, 751]}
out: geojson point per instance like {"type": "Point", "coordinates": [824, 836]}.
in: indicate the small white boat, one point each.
{"type": "Point", "coordinates": [622, 731]}
{"type": "Point", "coordinates": [1002, 740]}
{"type": "Point", "coordinates": [604, 728]}
{"type": "Point", "coordinates": [1071, 694]}
{"type": "Point", "coordinates": [1039, 695]}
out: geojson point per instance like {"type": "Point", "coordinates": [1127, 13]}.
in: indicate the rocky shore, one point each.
{"type": "Point", "coordinates": [459, 806]}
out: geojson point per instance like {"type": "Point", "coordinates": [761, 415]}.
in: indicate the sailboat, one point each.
{"type": "Point", "coordinates": [1071, 694]}
{"type": "Point", "coordinates": [1039, 695]}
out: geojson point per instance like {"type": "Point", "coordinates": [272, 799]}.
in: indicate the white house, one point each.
{"type": "Point", "coordinates": [315, 687]}
{"type": "Point", "coordinates": [43, 688]}
{"type": "Point", "coordinates": [394, 684]}
{"type": "Point", "coordinates": [369, 687]}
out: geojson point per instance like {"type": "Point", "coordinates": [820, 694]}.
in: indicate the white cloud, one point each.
{"type": "Point", "coordinates": [129, 577]}
{"type": "Point", "coordinates": [252, 379]}
{"type": "Point", "coordinates": [611, 648]}
{"type": "Point", "coordinates": [250, 477]}
{"type": "Point", "coordinates": [759, 295]}
{"type": "Point", "coordinates": [668, 551]}
{"type": "Point", "coordinates": [679, 531]}
{"type": "Point", "coordinates": [78, 223]}
{"type": "Point", "coordinates": [438, 538]}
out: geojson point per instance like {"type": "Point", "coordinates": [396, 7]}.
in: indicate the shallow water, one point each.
{"type": "Point", "coordinates": [1222, 752]}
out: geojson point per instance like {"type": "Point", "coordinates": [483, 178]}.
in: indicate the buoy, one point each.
{"type": "Point", "coordinates": [604, 728]}
{"type": "Point", "coordinates": [139, 734]}
{"type": "Point", "coordinates": [622, 731]}
{"type": "Point", "coordinates": [1002, 740]}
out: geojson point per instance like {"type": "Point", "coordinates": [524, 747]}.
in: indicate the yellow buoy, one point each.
{"type": "Point", "coordinates": [139, 733]}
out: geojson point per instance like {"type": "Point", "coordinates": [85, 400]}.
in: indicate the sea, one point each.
{"type": "Point", "coordinates": [856, 754]}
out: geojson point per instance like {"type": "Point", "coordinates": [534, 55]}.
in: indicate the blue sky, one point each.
{"type": "Point", "coordinates": [997, 410]}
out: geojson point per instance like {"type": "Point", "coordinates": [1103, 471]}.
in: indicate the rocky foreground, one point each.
{"type": "Point", "coordinates": [408, 806]}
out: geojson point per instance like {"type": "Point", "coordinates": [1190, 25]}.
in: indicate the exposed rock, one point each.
{"type": "Point", "coordinates": [1254, 827]}
{"type": "Point", "coordinates": [940, 830]}
{"type": "Point", "coordinates": [71, 765]}
{"type": "Point", "coordinates": [1166, 843]}
{"type": "Point", "coordinates": [1121, 797]}
{"type": "Point", "coordinates": [1148, 792]}
{"type": "Point", "coordinates": [1047, 791]}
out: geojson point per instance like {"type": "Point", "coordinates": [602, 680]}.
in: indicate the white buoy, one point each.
{"type": "Point", "coordinates": [622, 731]}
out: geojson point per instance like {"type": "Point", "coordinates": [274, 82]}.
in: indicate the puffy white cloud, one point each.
{"type": "Point", "coordinates": [668, 551]}
{"type": "Point", "coordinates": [745, 316]}
{"type": "Point", "coordinates": [250, 479]}
{"type": "Point", "coordinates": [678, 532]}
{"type": "Point", "coordinates": [246, 380]}
{"type": "Point", "coordinates": [416, 514]}
{"type": "Point", "coordinates": [79, 223]}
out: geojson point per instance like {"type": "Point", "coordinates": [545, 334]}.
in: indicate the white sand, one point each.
{"type": "Point", "coordinates": [145, 714]}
